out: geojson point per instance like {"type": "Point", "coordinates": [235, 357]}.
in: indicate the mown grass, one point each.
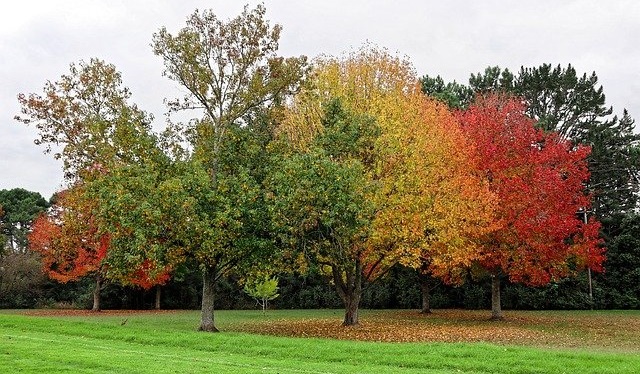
{"type": "Point", "coordinates": [168, 343]}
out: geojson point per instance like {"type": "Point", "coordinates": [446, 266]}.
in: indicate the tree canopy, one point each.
{"type": "Point", "coordinates": [18, 209]}
{"type": "Point", "coordinates": [538, 179]}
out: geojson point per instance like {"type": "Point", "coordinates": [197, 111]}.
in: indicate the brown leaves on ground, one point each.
{"type": "Point", "coordinates": [542, 329]}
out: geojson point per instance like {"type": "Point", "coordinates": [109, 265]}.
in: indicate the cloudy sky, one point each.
{"type": "Point", "coordinates": [38, 40]}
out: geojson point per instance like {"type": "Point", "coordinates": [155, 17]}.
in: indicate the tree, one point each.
{"type": "Point", "coordinates": [454, 94]}
{"type": "Point", "coordinates": [87, 112]}
{"type": "Point", "coordinates": [263, 289]}
{"type": "Point", "coordinates": [574, 107]}
{"type": "Point", "coordinates": [68, 240]}
{"type": "Point", "coordinates": [18, 209]}
{"type": "Point", "coordinates": [321, 209]}
{"type": "Point", "coordinates": [372, 181]}
{"type": "Point", "coordinates": [538, 179]}
{"type": "Point", "coordinates": [229, 69]}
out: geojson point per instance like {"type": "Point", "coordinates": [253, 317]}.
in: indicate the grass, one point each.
{"type": "Point", "coordinates": [168, 343]}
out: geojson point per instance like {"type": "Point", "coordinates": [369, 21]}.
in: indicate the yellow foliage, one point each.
{"type": "Point", "coordinates": [431, 204]}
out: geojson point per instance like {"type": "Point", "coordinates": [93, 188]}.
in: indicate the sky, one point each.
{"type": "Point", "coordinates": [454, 38]}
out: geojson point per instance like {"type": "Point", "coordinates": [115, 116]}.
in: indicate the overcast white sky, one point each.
{"type": "Point", "coordinates": [38, 40]}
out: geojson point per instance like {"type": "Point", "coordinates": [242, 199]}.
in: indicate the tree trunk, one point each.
{"type": "Point", "coordinates": [96, 294]}
{"type": "Point", "coordinates": [350, 291]}
{"type": "Point", "coordinates": [158, 294]}
{"type": "Point", "coordinates": [208, 284]}
{"type": "Point", "coordinates": [496, 308]}
{"type": "Point", "coordinates": [424, 289]}
{"type": "Point", "coordinates": [351, 310]}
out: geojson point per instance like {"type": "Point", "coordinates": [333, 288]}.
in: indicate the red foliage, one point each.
{"type": "Point", "coordinates": [146, 276]}
{"type": "Point", "coordinates": [538, 179]}
{"type": "Point", "coordinates": [67, 239]}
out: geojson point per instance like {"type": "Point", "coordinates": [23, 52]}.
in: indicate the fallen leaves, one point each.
{"type": "Point", "coordinates": [542, 329]}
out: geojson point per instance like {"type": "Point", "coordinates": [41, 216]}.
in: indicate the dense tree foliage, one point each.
{"type": "Point", "coordinates": [573, 106]}
{"type": "Point", "coordinates": [68, 239]}
{"type": "Point", "coordinates": [18, 209]}
{"type": "Point", "coordinates": [538, 179]}
{"type": "Point", "coordinates": [230, 70]}
{"type": "Point", "coordinates": [342, 170]}
{"type": "Point", "coordinates": [392, 191]}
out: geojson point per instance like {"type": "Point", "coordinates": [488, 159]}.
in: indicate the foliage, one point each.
{"type": "Point", "coordinates": [232, 72]}
{"type": "Point", "coordinates": [263, 289]}
{"type": "Point", "coordinates": [380, 143]}
{"type": "Point", "coordinates": [538, 179]}
{"type": "Point", "coordinates": [454, 94]}
{"type": "Point", "coordinates": [621, 281]}
{"type": "Point", "coordinates": [67, 238]}
{"type": "Point", "coordinates": [21, 280]}
{"type": "Point", "coordinates": [18, 209]}
{"type": "Point", "coordinates": [573, 106]}
{"type": "Point", "coordinates": [88, 113]}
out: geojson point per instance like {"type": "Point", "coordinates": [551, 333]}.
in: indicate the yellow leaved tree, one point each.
{"type": "Point", "coordinates": [425, 203]}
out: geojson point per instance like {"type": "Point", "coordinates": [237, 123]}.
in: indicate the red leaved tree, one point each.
{"type": "Point", "coordinates": [72, 247]}
{"type": "Point", "coordinates": [68, 240]}
{"type": "Point", "coordinates": [147, 276]}
{"type": "Point", "coordinates": [538, 179]}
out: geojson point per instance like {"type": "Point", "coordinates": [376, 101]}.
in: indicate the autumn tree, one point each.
{"type": "Point", "coordinates": [69, 242]}
{"type": "Point", "coordinates": [372, 181]}
{"type": "Point", "coordinates": [574, 106]}
{"type": "Point", "coordinates": [538, 179]}
{"type": "Point", "coordinates": [87, 121]}
{"type": "Point", "coordinates": [229, 69]}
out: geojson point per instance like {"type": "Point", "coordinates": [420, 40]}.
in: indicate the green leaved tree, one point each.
{"type": "Point", "coordinates": [230, 71]}
{"type": "Point", "coordinates": [262, 289]}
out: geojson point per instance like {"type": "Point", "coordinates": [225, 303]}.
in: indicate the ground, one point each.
{"type": "Point", "coordinates": [603, 331]}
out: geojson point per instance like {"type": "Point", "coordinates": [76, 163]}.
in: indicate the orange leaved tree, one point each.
{"type": "Point", "coordinates": [68, 241]}
{"type": "Point", "coordinates": [538, 179]}
{"type": "Point", "coordinates": [377, 175]}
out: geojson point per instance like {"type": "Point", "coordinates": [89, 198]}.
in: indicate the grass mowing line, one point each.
{"type": "Point", "coordinates": [167, 356]}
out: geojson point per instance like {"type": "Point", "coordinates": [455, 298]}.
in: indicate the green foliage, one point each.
{"type": "Point", "coordinates": [621, 280]}
{"type": "Point", "coordinates": [318, 197]}
{"type": "Point", "coordinates": [231, 70]}
{"type": "Point", "coordinates": [492, 80]}
{"type": "Point", "coordinates": [454, 94]}
{"type": "Point", "coordinates": [18, 209]}
{"type": "Point", "coordinates": [263, 289]}
{"type": "Point", "coordinates": [21, 280]}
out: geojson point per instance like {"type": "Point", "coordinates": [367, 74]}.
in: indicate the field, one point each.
{"type": "Point", "coordinates": [448, 341]}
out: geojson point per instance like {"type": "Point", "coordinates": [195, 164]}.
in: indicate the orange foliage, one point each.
{"type": "Point", "coordinates": [68, 240]}
{"type": "Point", "coordinates": [146, 276]}
{"type": "Point", "coordinates": [431, 202]}
{"type": "Point", "coordinates": [538, 179]}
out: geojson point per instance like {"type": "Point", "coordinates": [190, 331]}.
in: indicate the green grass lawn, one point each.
{"type": "Point", "coordinates": [168, 343]}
